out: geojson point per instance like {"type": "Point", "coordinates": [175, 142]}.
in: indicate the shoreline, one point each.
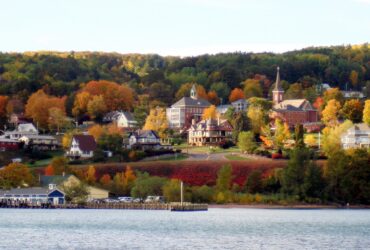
{"type": "Point", "coordinates": [297, 206]}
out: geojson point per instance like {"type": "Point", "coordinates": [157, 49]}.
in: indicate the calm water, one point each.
{"type": "Point", "coordinates": [215, 229]}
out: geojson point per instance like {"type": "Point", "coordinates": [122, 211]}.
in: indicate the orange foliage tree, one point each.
{"type": "Point", "coordinates": [15, 175]}
{"type": "Point", "coordinates": [213, 98]}
{"type": "Point", "coordinates": [116, 96]}
{"type": "Point", "coordinates": [236, 94]}
{"type": "Point", "coordinates": [38, 106]}
{"type": "Point", "coordinates": [91, 175]}
{"type": "Point", "coordinates": [105, 180]}
{"type": "Point", "coordinates": [3, 104]}
{"type": "Point", "coordinates": [49, 170]}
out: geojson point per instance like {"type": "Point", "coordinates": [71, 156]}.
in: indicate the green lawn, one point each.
{"type": "Point", "coordinates": [205, 149]}
{"type": "Point", "coordinates": [236, 158]}
{"type": "Point", "coordinates": [178, 157]}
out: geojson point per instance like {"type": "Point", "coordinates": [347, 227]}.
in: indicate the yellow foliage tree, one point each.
{"type": "Point", "coordinates": [210, 113]}
{"type": "Point", "coordinates": [282, 133]}
{"type": "Point", "coordinates": [330, 113]}
{"type": "Point", "coordinates": [157, 121]}
{"type": "Point", "coordinates": [80, 103]}
{"type": "Point", "coordinates": [57, 118]}
{"type": "Point", "coordinates": [96, 131]}
{"type": "Point", "coordinates": [366, 113]}
{"type": "Point", "coordinates": [96, 107]}
{"type": "Point", "coordinates": [310, 140]}
{"type": "Point", "coordinates": [252, 88]}
{"type": "Point", "coordinates": [91, 175]}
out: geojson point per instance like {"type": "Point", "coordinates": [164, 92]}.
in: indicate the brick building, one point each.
{"type": "Point", "coordinates": [293, 111]}
{"type": "Point", "coordinates": [180, 114]}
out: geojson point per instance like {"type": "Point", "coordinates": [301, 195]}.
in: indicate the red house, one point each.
{"type": "Point", "coordinates": [293, 111]}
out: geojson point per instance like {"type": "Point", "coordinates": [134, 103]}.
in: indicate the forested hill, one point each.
{"type": "Point", "coordinates": [24, 73]}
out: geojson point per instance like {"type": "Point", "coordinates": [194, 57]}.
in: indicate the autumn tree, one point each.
{"type": "Point", "coordinates": [352, 110]}
{"type": "Point", "coordinates": [366, 113]}
{"type": "Point", "coordinates": [282, 133]}
{"type": "Point", "coordinates": [247, 142]}
{"type": "Point", "coordinates": [333, 93]}
{"type": "Point", "coordinates": [330, 114]}
{"type": "Point", "coordinates": [353, 77]}
{"type": "Point", "coordinates": [57, 118]}
{"type": "Point", "coordinates": [15, 175]}
{"type": "Point", "coordinates": [331, 142]}
{"type": "Point", "coordinates": [157, 121]}
{"type": "Point", "coordinates": [252, 88]}
{"type": "Point", "coordinates": [258, 118]}
{"type": "Point", "coordinates": [236, 94]}
{"type": "Point", "coordinates": [3, 109]}
{"type": "Point", "coordinates": [96, 131]}
{"type": "Point", "coordinates": [91, 175]}
{"type": "Point", "coordinates": [185, 88]}
{"type": "Point", "coordinates": [60, 165]}
{"type": "Point", "coordinates": [319, 104]}
{"type": "Point", "coordinates": [210, 113]}
{"type": "Point", "coordinates": [310, 140]}
{"type": "Point", "coordinates": [80, 103]}
{"type": "Point", "coordinates": [49, 170]}
{"type": "Point", "coordinates": [213, 98]}
{"type": "Point", "coordinates": [105, 180]}
{"type": "Point", "coordinates": [38, 106]}
{"type": "Point", "coordinates": [295, 91]}
{"type": "Point", "coordinates": [96, 108]}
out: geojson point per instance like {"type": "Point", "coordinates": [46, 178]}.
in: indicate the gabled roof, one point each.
{"type": "Point", "coordinates": [53, 179]}
{"type": "Point", "coordinates": [26, 127]}
{"type": "Point", "coordinates": [140, 133]}
{"type": "Point", "coordinates": [188, 101]}
{"type": "Point", "coordinates": [28, 191]}
{"type": "Point", "coordinates": [294, 105]}
{"type": "Point", "coordinates": [359, 128]}
{"type": "Point", "coordinates": [114, 116]}
{"type": "Point", "coordinates": [223, 125]}
{"type": "Point", "coordinates": [85, 142]}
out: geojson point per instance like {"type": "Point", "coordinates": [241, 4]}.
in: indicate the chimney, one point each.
{"type": "Point", "coordinates": [193, 122]}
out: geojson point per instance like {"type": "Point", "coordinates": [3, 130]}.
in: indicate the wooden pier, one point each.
{"type": "Point", "coordinates": [117, 205]}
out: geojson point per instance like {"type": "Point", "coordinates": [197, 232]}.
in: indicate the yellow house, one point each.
{"type": "Point", "coordinates": [69, 180]}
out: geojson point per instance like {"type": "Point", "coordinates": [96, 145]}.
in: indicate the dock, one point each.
{"type": "Point", "coordinates": [117, 205]}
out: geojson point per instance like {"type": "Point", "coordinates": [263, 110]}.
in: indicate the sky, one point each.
{"type": "Point", "coordinates": [181, 27]}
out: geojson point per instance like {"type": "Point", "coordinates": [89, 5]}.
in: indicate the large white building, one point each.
{"type": "Point", "coordinates": [358, 136]}
{"type": "Point", "coordinates": [180, 114]}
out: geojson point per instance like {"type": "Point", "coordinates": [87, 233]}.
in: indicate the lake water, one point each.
{"type": "Point", "coordinates": [214, 229]}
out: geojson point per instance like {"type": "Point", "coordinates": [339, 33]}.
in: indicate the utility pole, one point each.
{"type": "Point", "coordinates": [182, 192]}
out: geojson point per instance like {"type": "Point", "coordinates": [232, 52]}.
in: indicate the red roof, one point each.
{"type": "Point", "coordinates": [85, 142]}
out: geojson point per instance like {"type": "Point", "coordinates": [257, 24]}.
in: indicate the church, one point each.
{"type": "Point", "coordinates": [293, 111]}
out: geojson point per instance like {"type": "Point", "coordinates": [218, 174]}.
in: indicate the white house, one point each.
{"type": "Point", "coordinates": [144, 139]}
{"type": "Point", "coordinates": [358, 136]}
{"type": "Point", "coordinates": [123, 119]}
{"type": "Point", "coordinates": [240, 105]}
{"type": "Point", "coordinates": [209, 132]}
{"type": "Point", "coordinates": [82, 146]}
{"type": "Point", "coordinates": [24, 129]}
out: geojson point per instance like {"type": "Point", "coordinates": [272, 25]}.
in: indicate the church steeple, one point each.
{"type": "Point", "coordinates": [193, 92]}
{"type": "Point", "coordinates": [277, 93]}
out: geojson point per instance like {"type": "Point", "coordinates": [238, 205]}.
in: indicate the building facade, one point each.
{"type": "Point", "coordinates": [82, 146]}
{"type": "Point", "coordinates": [358, 136]}
{"type": "Point", "coordinates": [121, 118]}
{"type": "Point", "coordinates": [33, 196]}
{"type": "Point", "coordinates": [209, 132]}
{"type": "Point", "coordinates": [144, 140]}
{"type": "Point", "coordinates": [180, 114]}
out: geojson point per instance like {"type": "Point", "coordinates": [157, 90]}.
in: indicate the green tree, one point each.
{"type": "Point", "coordinates": [252, 88]}
{"type": "Point", "coordinates": [147, 185]}
{"type": "Point", "coordinates": [76, 193]}
{"type": "Point", "coordinates": [224, 177]}
{"type": "Point", "coordinates": [299, 135]}
{"type": "Point", "coordinates": [171, 191]}
{"type": "Point", "coordinates": [247, 142]}
{"type": "Point", "coordinates": [254, 182]}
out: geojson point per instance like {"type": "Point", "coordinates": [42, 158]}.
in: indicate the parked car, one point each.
{"type": "Point", "coordinates": [154, 199]}
{"type": "Point", "coordinates": [126, 199]}
{"type": "Point", "coordinates": [110, 200]}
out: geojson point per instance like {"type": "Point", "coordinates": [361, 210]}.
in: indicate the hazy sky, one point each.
{"type": "Point", "coordinates": [181, 27]}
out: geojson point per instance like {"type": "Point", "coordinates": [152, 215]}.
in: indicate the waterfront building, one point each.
{"type": "Point", "coordinates": [358, 136]}
{"type": "Point", "coordinates": [34, 195]}
{"type": "Point", "coordinates": [209, 132]}
{"type": "Point", "coordinates": [180, 114]}
{"type": "Point", "coordinates": [71, 180]}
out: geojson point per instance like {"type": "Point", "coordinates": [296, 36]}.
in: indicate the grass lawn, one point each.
{"type": "Point", "coordinates": [45, 162]}
{"type": "Point", "coordinates": [179, 157]}
{"type": "Point", "coordinates": [236, 158]}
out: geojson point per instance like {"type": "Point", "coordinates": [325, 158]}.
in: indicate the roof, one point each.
{"type": "Point", "coordinates": [140, 133]}
{"type": "Point", "coordinates": [53, 179]}
{"type": "Point", "coordinates": [294, 105]}
{"type": "Point", "coordinates": [213, 124]}
{"type": "Point", "coordinates": [241, 100]}
{"type": "Point", "coordinates": [44, 137]}
{"type": "Point", "coordinates": [359, 128]}
{"type": "Point", "coordinates": [188, 101]}
{"type": "Point", "coordinates": [2, 139]}
{"type": "Point", "coordinates": [114, 116]}
{"type": "Point", "coordinates": [26, 191]}
{"type": "Point", "coordinates": [85, 142]}
{"type": "Point", "coordinates": [26, 127]}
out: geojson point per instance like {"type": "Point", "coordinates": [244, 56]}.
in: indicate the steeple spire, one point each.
{"type": "Point", "coordinates": [193, 92]}
{"type": "Point", "coordinates": [277, 93]}
{"type": "Point", "coordinates": [277, 82]}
